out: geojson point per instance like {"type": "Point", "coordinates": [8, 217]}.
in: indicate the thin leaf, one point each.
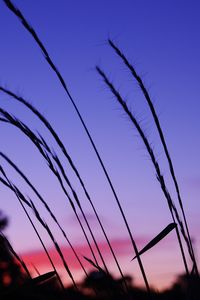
{"type": "Point", "coordinates": [158, 238]}
{"type": "Point", "coordinates": [93, 264]}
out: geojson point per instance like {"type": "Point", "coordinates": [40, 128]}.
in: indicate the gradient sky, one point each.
{"type": "Point", "coordinates": [161, 39]}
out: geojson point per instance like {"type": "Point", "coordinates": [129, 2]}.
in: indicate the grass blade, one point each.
{"type": "Point", "coordinates": [93, 264]}
{"type": "Point", "coordinates": [157, 238]}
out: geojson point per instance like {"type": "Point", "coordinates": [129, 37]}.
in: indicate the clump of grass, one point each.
{"type": "Point", "coordinates": [68, 157]}
{"type": "Point", "coordinates": [43, 148]}
{"type": "Point", "coordinates": [55, 165]}
{"type": "Point", "coordinates": [159, 176]}
{"type": "Point", "coordinates": [22, 199]}
{"type": "Point", "coordinates": [163, 141]}
{"type": "Point", "coordinates": [13, 165]}
{"type": "Point", "coordinates": [50, 62]}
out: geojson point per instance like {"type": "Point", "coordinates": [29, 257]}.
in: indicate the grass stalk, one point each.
{"type": "Point", "coordinates": [80, 207]}
{"type": "Point", "coordinates": [46, 227]}
{"type": "Point", "coordinates": [162, 138]}
{"type": "Point", "coordinates": [66, 154]}
{"type": "Point", "coordinates": [20, 197]}
{"type": "Point", "coordinates": [13, 165]}
{"type": "Point", "coordinates": [159, 176]}
{"type": "Point", "coordinates": [39, 143]}
{"type": "Point", "coordinates": [27, 26]}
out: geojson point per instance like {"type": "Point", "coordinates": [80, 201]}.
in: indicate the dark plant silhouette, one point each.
{"type": "Point", "coordinates": [11, 274]}
{"type": "Point", "coordinates": [159, 176]}
{"type": "Point", "coordinates": [15, 278]}
{"type": "Point", "coordinates": [165, 147]}
{"type": "Point", "coordinates": [50, 62]}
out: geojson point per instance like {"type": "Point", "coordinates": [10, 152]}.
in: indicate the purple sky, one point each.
{"type": "Point", "coordinates": [162, 42]}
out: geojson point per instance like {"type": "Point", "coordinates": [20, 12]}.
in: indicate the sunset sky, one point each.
{"type": "Point", "coordinates": [161, 40]}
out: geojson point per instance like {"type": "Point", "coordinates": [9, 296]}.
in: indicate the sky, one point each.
{"type": "Point", "coordinates": [161, 40]}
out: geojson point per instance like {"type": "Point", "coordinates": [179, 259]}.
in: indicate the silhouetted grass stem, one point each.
{"type": "Point", "coordinates": [18, 13]}
{"type": "Point", "coordinates": [18, 195]}
{"type": "Point", "coordinates": [151, 153]}
{"type": "Point", "coordinates": [11, 163]}
{"type": "Point", "coordinates": [162, 138]}
{"type": "Point", "coordinates": [66, 154]}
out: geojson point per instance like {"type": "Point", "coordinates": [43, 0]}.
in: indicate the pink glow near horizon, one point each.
{"type": "Point", "coordinates": [160, 277]}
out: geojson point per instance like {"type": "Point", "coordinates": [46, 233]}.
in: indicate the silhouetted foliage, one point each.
{"type": "Point", "coordinates": [97, 285]}
{"type": "Point", "coordinates": [15, 280]}
{"type": "Point", "coordinates": [10, 272]}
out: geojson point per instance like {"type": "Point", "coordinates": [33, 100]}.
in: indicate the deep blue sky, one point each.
{"type": "Point", "coordinates": [161, 39]}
